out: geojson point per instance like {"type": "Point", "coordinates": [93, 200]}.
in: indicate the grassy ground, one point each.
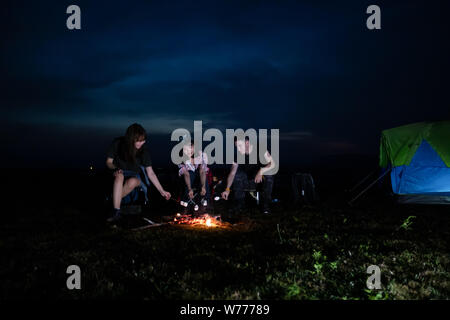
{"type": "Point", "coordinates": [317, 252]}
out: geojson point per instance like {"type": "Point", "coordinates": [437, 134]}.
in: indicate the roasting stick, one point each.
{"type": "Point", "coordinates": [150, 225]}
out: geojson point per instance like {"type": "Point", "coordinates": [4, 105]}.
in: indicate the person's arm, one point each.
{"type": "Point", "coordinates": [202, 176]}
{"type": "Point", "coordinates": [203, 168]}
{"type": "Point", "coordinates": [111, 154]}
{"type": "Point", "coordinates": [202, 180]}
{"type": "Point", "coordinates": [187, 180]}
{"type": "Point", "coordinates": [110, 163]}
{"type": "Point", "coordinates": [154, 179]}
{"type": "Point", "coordinates": [269, 166]}
{"type": "Point", "coordinates": [230, 179]}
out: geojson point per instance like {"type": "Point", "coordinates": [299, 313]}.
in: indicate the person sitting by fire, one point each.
{"type": "Point", "coordinates": [194, 167]}
{"type": "Point", "coordinates": [248, 176]}
{"type": "Point", "coordinates": [125, 157]}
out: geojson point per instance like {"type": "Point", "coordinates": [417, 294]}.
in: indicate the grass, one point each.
{"type": "Point", "coordinates": [315, 252]}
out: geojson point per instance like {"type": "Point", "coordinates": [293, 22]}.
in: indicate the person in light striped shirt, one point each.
{"type": "Point", "coordinates": [195, 167]}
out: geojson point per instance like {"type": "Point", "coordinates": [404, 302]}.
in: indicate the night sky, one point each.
{"type": "Point", "coordinates": [310, 68]}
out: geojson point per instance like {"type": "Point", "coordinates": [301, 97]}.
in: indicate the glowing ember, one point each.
{"type": "Point", "coordinates": [205, 220]}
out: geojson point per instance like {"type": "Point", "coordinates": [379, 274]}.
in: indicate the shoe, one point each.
{"type": "Point", "coordinates": [115, 216]}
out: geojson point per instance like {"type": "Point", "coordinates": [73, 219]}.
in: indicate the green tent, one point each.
{"type": "Point", "coordinates": [419, 158]}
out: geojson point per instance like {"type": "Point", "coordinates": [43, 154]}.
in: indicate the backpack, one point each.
{"type": "Point", "coordinates": [304, 189]}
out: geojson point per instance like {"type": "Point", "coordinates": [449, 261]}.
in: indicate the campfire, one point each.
{"type": "Point", "coordinates": [201, 220]}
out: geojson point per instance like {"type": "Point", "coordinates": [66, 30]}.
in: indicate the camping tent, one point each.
{"type": "Point", "coordinates": [419, 158]}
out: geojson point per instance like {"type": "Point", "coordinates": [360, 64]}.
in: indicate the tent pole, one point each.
{"type": "Point", "coordinates": [362, 181]}
{"type": "Point", "coordinates": [370, 186]}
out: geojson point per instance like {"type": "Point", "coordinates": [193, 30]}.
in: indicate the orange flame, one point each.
{"type": "Point", "coordinates": [204, 220]}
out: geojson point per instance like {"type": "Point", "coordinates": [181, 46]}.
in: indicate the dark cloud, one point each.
{"type": "Point", "coordinates": [303, 67]}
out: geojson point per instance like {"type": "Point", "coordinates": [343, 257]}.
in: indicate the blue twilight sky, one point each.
{"type": "Point", "coordinates": [310, 68]}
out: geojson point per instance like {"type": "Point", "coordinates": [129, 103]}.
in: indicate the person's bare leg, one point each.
{"type": "Point", "coordinates": [129, 186]}
{"type": "Point", "coordinates": [117, 190]}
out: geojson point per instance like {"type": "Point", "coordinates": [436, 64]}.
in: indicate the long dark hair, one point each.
{"type": "Point", "coordinates": [134, 133]}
